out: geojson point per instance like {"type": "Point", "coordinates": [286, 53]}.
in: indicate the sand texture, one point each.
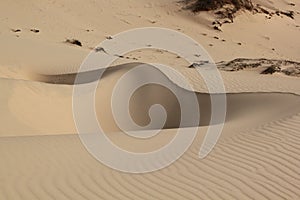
{"type": "Point", "coordinates": [43, 44]}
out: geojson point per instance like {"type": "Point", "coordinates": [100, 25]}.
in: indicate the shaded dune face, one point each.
{"type": "Point", "coordinates": [141, 100]}
{"type": "Point", "coordinates": [141, 103]}
{"type": "Point", "coordinates": [243, 108]}
{"type": "Point", "coordinates": [149, 95]}
{"type": "Point", "coordinates": [153, 94]}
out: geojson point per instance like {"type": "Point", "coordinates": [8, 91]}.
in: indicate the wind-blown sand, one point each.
{"type": "Point", "coordinates": [257, 156]}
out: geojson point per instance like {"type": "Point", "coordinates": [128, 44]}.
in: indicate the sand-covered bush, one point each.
{"type": "Point", "coordinates": [206, 5]}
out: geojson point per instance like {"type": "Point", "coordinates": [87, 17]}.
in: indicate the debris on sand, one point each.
{"type": "Point", "coordinates": [199, 64]}
{"type": "Point", "coordinates": [271, 70]}
{"type": "Point", "coordinates": [292, 71]}
{"type": "Point", "coordinates": [100, 49]}
{"type": "Point", "coordinates": [16, 30]}
{"type": "Point", "coordinates": [269, 66]}
{"type": "Point", "coordinates": [34, 30]}
{"type": "Point", "coordinates": [292, 4]}
{"type": "Point", "coordinates": [270, 13]}
{"type": "Point", "coordinates": [289, 14]}
{"type": "Point", "coordinates": [217, 28]}
{"type": "Point", "coordinates": [74, 42]}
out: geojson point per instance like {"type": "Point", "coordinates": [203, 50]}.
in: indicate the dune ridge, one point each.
{"type": "Point", "coordinates": [31, 117]}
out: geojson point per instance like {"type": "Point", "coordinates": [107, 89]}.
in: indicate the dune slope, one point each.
{"type": "Point", "coordinates": [42, 157]}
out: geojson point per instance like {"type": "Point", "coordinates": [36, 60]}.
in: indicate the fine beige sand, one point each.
{"type": "Point", "coordinates": [256, 157]}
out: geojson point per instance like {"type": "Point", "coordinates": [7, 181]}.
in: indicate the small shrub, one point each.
{"type": "Point", "coordinates": [206, 5]}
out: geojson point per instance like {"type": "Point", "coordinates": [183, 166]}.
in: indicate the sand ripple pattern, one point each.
{"type": "Point", "coordinates": [262, 163]}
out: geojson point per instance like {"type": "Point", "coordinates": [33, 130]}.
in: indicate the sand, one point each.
{"type": "Point", "coordinates": [256, 157]}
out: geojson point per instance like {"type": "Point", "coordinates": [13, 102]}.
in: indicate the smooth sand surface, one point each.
{"type": "Point", "coordinates": [257, 156]}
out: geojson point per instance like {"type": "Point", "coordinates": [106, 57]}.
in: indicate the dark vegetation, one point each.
{"type": "Point", "coordinates": [226, 10]}
{"type": "Point", "coordinates": [268, 66]}
{"type": "Point", "coordinates": [74, 42]}
{"type": "Point", "coordinates": [206, 5]}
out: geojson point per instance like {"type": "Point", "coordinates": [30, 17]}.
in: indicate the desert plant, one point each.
{"type": "Point", "coordinates": [206, 5]}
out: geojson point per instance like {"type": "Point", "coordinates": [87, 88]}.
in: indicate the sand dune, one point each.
{"type": "Point", "coordinates": [256, 157]}
{"type": "Point", "coordinates": [31, 117]}
{"type": "Point", "coordinates": [261, 163]}
{"type": "Point", "coordinates": [42, 157]}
